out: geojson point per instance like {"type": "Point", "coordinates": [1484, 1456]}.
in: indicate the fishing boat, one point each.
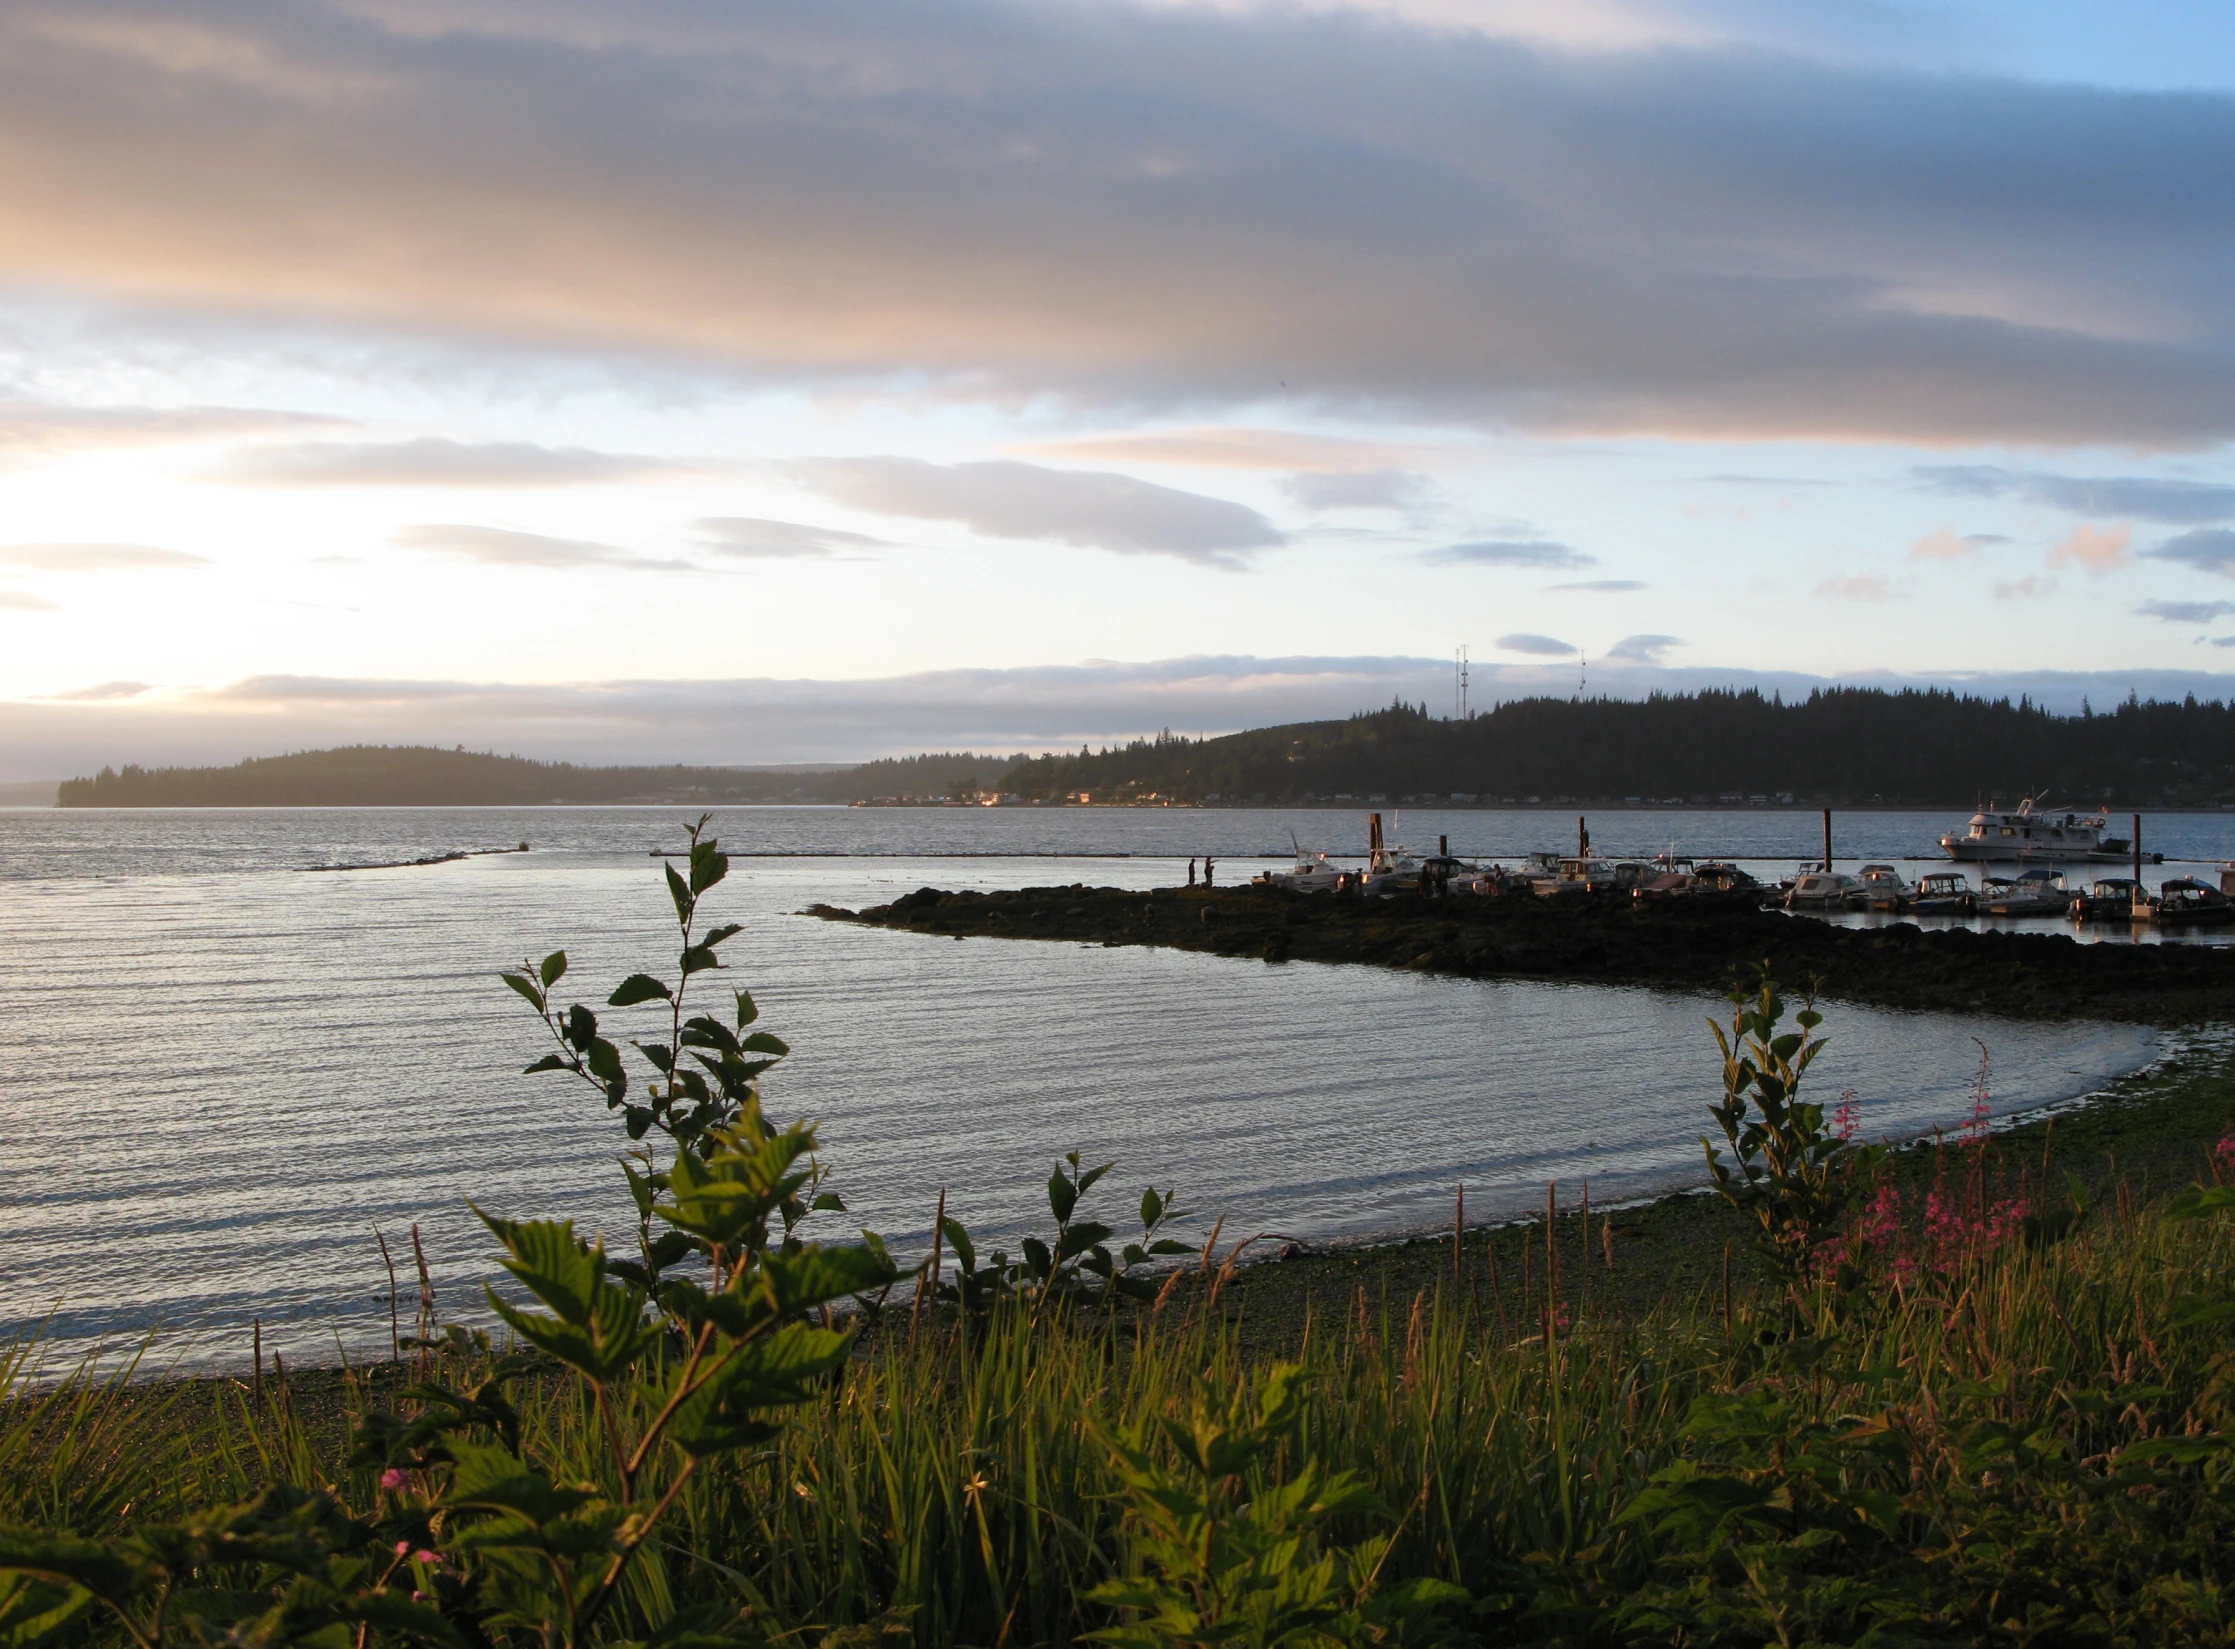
{"type": "Point", "coordinates": [2036, 892]}
{"type": "Point", "coordinates": [1312, 873]}
{"type": "Point", "coordinates": [2111, 899]}
{"type": "Point", "coordinates": [1879, 887]}
{"type": "Point", "coordinates": [2032, 834]}
{"type": "Point", "coordinates": [2185, 902]}
{"type": "Point", "coordinates": [1580, 875]}
{"type": "Point", "coordinates": [1943, 893]}
{"type": "Point", "coordinates": [1819, 890]}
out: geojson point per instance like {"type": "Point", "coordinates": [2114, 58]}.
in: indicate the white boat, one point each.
{"type": "Point", "coordinates": [1819, 890]}
{"type": "Point", "coordinates": [1311, 874]}
{"type": "Point", "coordinates": [1880, 887]}
{"type": "Point", "coordinates": [2033, 893]}
{"type": "Point", "coordinates": [2030, 834]}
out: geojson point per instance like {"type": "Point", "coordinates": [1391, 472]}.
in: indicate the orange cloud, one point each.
{"type": "Point", "coordinates": [1942, 544]}
{"type": "Point", "coordinates": [2098, 549]}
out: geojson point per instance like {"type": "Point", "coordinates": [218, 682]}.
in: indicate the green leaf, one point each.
{"type": "Point", "coordinates": [581, 1027]}
{"type": "Point", "coordinates": [757, 1374]}
{"type": "Point", "coordinates": [527, 987]}
{"type": "Point", "coordinates": [763, 1042]}
{"type": "Point", "coordinates": [699, 959]}
{"type": "Point", "coordinates": [1062, 1195]}
{"type": "Point", "coordinates": [728, 930]}
{"type": "Point", "coordinates": [638, 987]}
{"type": "Point", "coordinates": [549, 1062]}
{"type": "Point", "coordinates": [680, 891]}
{"type": "Point", "coordinates": [554, 968]}
{"type": "Point", "coordinates": [708, 865]}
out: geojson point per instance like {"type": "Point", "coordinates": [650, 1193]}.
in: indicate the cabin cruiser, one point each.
{"type": "Point", "coordinates": [1819, 890]}
{"type": "Point", "coordinates": [2111, 899]}
{"type": "Point", "coordinates": [1714, 876]}
{"type": "Point", "coordinates": [2186, 902]}
{"type": "Point", "coordinates": [1582, 875]}
{"type": "Point", "coordinates": [2034, 893]}
{"type": "Point", "coordinates": [1943, 893]}
{"type": "Point", "coordinates": [2031, 834]}
{"type": "Point", "coordinates": [1879, 887]}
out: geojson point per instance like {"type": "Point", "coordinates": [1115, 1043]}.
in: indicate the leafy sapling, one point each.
{"type": "Point", "coordinates": [1790, 1174]}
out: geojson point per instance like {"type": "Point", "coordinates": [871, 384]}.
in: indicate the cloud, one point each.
{"type": "Point", "coordinates": [2208, 549]}
{"type": "Point", "coordinates": [2033, 587]}
{"type": "Point", "coordinates": [2098, 549]}
{"type": "Point", "coordinates": [48, 428]}
{"type": "Point", "coordinates": [1861, 587]}
{"type": "Point", "coordinates": [751, 536]}
{"type": "Point", "coordinates": [1512, 552]}
{"type": "Point", "coordinates": [1543, 646]}
{"type": "Point", "coordinates": [434, 463]}
{"type": "Point", "coordinates": [107, 692]}
{"type": "Point", "coordinates": [2223, 641]}
{"type": "Point", "coordinates": [1358, 490]}
{"type": "Point", "coordinates": [97, 558]}
{"type": "Point", "coordinates": [22, 601]}
{"type": "Point", "coordinates": [1943, 544]}
{"type": "Point", "coordinates": [2185, 612]}
{"type": "Point", "coordinates": [501, 547]}
{"type": "Point", "coordinates": [1644, 649]}
{"type": "Point", "coordinates": [1002, 498]}
{"type": "Point", "coordinates": [1237, 447]}
{"type": "Point", "coordinates": [2147, 498]}
{"type": "Point", "coordinates": [1600, 586]}
{"type": "Point", "coordinates": [1159, 207]}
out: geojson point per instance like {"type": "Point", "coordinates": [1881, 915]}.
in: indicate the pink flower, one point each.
{"type": "Point", "coordinates": [2225, 1149]}
{"type": "Point", "coordinates": [392, 1479]}
{"type": "Point", "coordinates": [1848, 1118]}
{"type": "Point", "coordinates": [402, 1546]}
{"type": "Point", "coordinates": [425, 1556]}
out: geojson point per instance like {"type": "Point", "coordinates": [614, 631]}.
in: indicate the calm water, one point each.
{"type": "Point", "coordinates": [222, 1074]}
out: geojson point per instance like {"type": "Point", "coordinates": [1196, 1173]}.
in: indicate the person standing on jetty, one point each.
{"type": "Point", "coordinates": [1191, 873]}
{"type": "Point", "coordinates": [1208, 861]}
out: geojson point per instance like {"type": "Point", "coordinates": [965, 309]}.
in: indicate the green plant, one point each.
{"type": "Point", "coordinates": [1234, 1554]}
{"type": "Point", "coordinates": [1052, 1269]}
{"type": "Point", "coordinates": [1790, 1174]}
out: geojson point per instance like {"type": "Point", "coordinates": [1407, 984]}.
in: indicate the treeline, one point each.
{"type": "Point", "coordinates": [1846, 745]}
{"type": "Point", "coordinates": [417, 776]}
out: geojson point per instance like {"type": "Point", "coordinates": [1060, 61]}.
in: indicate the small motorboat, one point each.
{"type": "Point", "coordinates": [2111, 899]}
{"type": "Point", "coordinates": [2185, 902]}
{"type": "Point", "coordinates": [1943, 893]}
{"type": "Point", "coordinates": [1715, 876]}
{"type": "Point", "coordinates": [1581, 875]}
{"type": "Point", "coordinates": [2036, 892]}
{"type": "Point", "coordinates": [1879, 887]}
{"type": "Point", "coordinates": [1310, 874]}
{"type": "Point", "coordinates": [1820, 890]}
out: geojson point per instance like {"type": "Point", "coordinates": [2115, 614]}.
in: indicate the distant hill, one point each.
{"type": "Point", "coordinates": [1843, 745]}
{"type": "Point", "coordinates": [416, 776]}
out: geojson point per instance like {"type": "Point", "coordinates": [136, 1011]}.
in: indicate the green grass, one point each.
{"type": "Point", "coordinates": [1962, 1461]}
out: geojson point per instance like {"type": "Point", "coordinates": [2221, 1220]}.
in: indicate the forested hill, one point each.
{"type": "Point", "coordinates": [414, 776]}
{"type": "Point", "coordinates": [1843, 745]}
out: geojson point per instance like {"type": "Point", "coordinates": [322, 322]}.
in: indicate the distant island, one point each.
{"type": "Point", "coordinates": [1842, 747]}
{"type": "Point", "coordinates": [368, 775]}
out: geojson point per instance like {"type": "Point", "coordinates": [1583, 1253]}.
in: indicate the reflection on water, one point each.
{"type": "Point", "coordinates": [224, 1074]}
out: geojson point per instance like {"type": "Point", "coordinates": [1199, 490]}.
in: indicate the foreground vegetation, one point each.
{"type": "Point", "coordinates": [1939, 1402]}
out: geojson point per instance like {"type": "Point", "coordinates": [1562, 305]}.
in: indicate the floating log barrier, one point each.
{"type": "Point", "coordinates": [1689, 944]}
{"type": "Point", "coordinates": [450, 858]}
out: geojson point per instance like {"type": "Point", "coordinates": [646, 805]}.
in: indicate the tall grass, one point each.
{"type": "Point", "coordinates": [2027, 1448]}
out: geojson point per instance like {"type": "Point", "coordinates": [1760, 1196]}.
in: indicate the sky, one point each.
{"type": "Point", "coordinates": [762, 382]}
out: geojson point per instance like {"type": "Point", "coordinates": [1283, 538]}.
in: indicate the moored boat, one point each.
{"type": "Point", "coordinates": [2185, 902]}
{"type": "Point", "coordinates": [2110, 899]}
{"type": "Point", "coordinates": [2033, 835]}
{"type": "Point", "coordinates": [1879, 887]}
{"type": "Point", "coordinates": [1943, 893]}
{"type": "Point", "coordinates": [1819, 890]}
{"type": "Point", "coordinates": [2036, 892]}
